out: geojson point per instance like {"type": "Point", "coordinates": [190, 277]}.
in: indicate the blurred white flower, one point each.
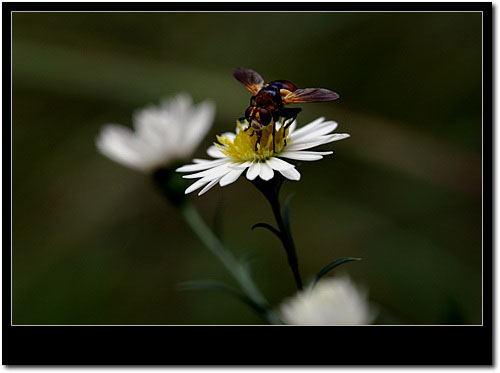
{"type": "Point", "coordinates": [237, 152]}
{"type": "Point", "coordinates": [334, 301]}
{"type": "Point", "coordinates": [163, 134]}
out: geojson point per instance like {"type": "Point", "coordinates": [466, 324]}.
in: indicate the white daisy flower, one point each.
{"type": "Point", "coordinates": [334, 301]}
{"type": "Point", "coordinates": [163, 134]}
{"type": "Point", "coordinates": [237, 152]}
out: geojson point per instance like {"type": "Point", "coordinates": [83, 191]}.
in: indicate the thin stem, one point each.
{"type": "Point", "coordinates": [271, 190]}
{"type": "Point", "coordinates": [171, 185]}
{"type": "Point", "coordinates": [235, 268]}
{"type": "Point", "coordinates": [287, 240]}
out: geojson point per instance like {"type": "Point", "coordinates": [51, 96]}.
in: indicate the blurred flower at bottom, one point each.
{"type": "Point", "coordinates": [335, 301]}
{"type": "Point", "coordinates": [163, 134]}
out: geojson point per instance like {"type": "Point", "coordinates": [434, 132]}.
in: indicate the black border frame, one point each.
{"type": "Point", "coordinates": [251, 345]}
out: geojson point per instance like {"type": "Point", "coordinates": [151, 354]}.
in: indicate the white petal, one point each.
{"type": "Point", "coordinates": [229, 135]}
{"type": "Point", "coordinates": [215, 152]}
{"type": "Point", "coordinates": [209, 186]}
{"type": "Point", "coordinates": [200, 121]}
{"type": "Point", "coordinates": [298, 156]}
{"type": "Point", "coordinates": [175, 127]}
{"type": "Point", "coordinates": [300, 145]}
{"type": "Point", "coordinates": [201, 166]}
{"type": "Point", "coordinates": [341, 136]}
{"type": "Point", "coordinates": [196, 185]}
{"type": "Point", "coordinates": [206, 180]}
{"type": "Point", "coordinates": [292, 127]}
{"type": "Point", "coordinates": [253, 171]}
{"type": "Point", "coordinates": [303, 155]}
{"type": "Point", "coordinates": [231, 177]}
{"type": "Point", "coordinates": [123, 146]}
{"type": "Point", "coordinates": [178, 110]}
{"type": "Point", "coordinates": [241, 165]}
{"type": "Point", "coordinates": [156, 127]}
{"type": "Point", "coordinates": [210, 173]}
{"type": "Point", "coordinates": [198, 160]}
{"type": "Point", "coordinates": [162, 133]}
{"type": "Point", "coordinates": [308, 127]}
{"type": "Point", "coordinates": [279, 164]}
{"type": "Point", "coordinates": [322, 129]}
{"type": "Point", "coordinates": [266, 172]}
{"type": "Point", "coordinates": [327, 152]}
{"type": "Point", "coordinates": [291, 174]}
{"type": "Point", "coordinates": [333, 301]}
{"type": "Point", "coordinates": [278, 125]}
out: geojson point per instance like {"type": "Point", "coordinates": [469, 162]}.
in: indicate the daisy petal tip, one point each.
{"type": "Point", "coordinates": [291, 174]}
{"type": "Point", "coordinates": [253, 171]}
{"type": "Point", "coordinates": [251, 177]}
{"type": "Point", "coordinates": [206, 189]}
{"type": "Point", "coordinates": [266, 177]}
{"type": "Point", "coordinates": [192, 187]}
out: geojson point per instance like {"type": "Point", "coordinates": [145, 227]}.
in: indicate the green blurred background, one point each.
{"type": "Point", "coordinates": [93, 243]}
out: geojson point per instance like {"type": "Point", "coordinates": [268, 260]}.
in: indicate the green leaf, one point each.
{"type": "Point", "coordinates": [218, 287]}
{"type": "Point", "coordinates": [329, 267]}
{"type": "Point", "coordinates": [269, 227]}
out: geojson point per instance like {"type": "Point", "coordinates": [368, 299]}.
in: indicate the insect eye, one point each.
{"type": "Point", "coordinates": [248, 112]}
{"type": "Point", "coordinates": [265, 117]}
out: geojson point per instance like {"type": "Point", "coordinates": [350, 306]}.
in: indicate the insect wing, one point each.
{"type": "Point", "coordinates": [310, 95]}
{"type": "Point", "coordinates": [249, 78]}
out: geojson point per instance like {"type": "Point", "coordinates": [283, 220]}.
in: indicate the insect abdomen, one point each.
{"type": "Point", "coordinates": [283, 84]}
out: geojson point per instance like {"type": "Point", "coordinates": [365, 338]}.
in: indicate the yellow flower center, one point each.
{"type": "Point", "coordinates": [246, 146]}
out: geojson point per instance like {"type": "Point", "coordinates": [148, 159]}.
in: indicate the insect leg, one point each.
{"type": "Point", "coordinates": [259, 135]}
{"type": "Point", "coordinates": [276, 117]}
{"type": "Point", "coordinates": [289, 115]}
{"type": "Point", "coordinates": [250, 120]}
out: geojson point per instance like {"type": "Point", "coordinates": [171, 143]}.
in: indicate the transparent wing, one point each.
{"type": "Point", "coordinates": [249, 78]}
{"type": "Point", "coordinates": [310, 95]}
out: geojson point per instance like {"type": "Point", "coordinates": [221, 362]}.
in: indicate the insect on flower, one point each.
{"type": "Point", "coordinates": [234, 153]}
{"type": "Point", "coordinates": [268, 100]}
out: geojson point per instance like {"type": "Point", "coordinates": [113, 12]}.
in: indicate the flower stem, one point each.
{"type": "Point", "coordinates": [235, 268]}
{"type": "Point", "coordinates": [238, 270]}
{"type": "Point", "coordinates": [288, 244]}
{"type": "Point", "coordinates": [271, 190]}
